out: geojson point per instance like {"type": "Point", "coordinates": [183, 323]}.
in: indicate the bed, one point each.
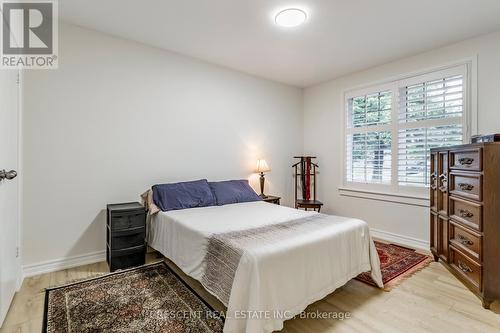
{"type": "Point", "coordinates": [263, 261]}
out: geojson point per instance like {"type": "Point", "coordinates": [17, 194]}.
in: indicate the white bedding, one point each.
{"type": "Point", "coordinates": [272, 282]}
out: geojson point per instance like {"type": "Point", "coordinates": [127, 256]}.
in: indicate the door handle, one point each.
{"type": "Point", "coordinates": [7, 174]}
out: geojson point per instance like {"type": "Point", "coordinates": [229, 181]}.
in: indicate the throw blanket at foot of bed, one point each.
{"type": "Point", "coordinates": [269, 274]}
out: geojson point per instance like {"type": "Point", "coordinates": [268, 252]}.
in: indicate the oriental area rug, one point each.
{"type": "Point", "coordinates": [146, 299]}
{"type": "Point", "coordinates": [397, 263]}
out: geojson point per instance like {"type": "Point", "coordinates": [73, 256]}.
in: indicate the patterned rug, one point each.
{"type": "Point", "coordinates": [146, 299]}
{"type": "Point", "coordinates": [397, 263]}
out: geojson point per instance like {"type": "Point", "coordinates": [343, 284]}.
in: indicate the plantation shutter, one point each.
{"type": "Point", "coordinates": [368, 138]}
{"type": "Point", "coordinates": [391, 128]}
{"type": "Point", "coordinates": [430, 115]}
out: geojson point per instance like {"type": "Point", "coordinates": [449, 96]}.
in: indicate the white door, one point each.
{"type": "Point", "coordinates": [9, 205]}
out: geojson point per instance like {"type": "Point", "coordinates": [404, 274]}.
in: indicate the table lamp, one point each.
{"type": "Point", "coordinates": [261, 168]}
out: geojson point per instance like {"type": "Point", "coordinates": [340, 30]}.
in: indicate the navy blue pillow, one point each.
{"type": "Point", "coordinates": [183, 195]}
{"type": "Point", "coordinates": [233, 191]}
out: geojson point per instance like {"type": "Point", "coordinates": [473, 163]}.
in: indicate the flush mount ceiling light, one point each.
{"type": "Point", "coordinates": [290, 17]}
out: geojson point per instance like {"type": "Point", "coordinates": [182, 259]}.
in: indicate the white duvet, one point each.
{"type": "Point", "coordinates": [274, 282]}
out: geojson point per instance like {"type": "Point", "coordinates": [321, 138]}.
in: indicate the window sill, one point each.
{"type": "Point", "coordinates": [406, 199]}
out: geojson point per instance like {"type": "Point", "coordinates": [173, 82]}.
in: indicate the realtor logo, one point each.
{"type": "Point", "coordinates": [29, 34]}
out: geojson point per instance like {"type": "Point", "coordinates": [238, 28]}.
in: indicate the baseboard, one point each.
{"type": "Point", "coordinates": [19, 282]}
{"type": "Point", "coordinates": [62, 263]}
{"type": "Point", "coordinates": [411, 242]}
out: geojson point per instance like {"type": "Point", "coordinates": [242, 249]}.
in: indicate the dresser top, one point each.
{"type": "Point", "coordinates": [124, 206]}
{"type": "Point", "coordinates": [468, 146]}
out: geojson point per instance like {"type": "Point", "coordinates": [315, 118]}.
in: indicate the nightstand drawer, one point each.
{"type": "Point", "coordinates": [127, 238]}
{"type": "Point", "coordinates": [126, 258]}
{"type": "Point", "coordinates": [126, 220]}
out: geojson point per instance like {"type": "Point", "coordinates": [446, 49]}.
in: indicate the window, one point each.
{"type": "Point", "coordinates": [391, 128]}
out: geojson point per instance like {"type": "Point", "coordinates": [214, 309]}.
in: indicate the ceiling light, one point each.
{"type": "Point", "coordinates": [290, 17]}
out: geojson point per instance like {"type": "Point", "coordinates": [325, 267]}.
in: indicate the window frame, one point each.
{"type": "Point", "coordinates": [394, 192]}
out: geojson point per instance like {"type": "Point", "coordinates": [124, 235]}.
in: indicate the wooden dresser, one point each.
{"type": "Point", "coordinates": [465, 215]}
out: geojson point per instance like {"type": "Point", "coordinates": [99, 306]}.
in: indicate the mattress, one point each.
{"type": "Point", "coordinates": [274, 281]}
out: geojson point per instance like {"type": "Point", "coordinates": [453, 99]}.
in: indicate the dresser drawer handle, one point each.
{"type": "Point", "coordinates": [466, 161]}
{"type": "Point", "coordinates": [465, 186]}
{"type": "Point", "coordinates": [465, 241]}
{"type": "Point", "coordinates": [465, 213]}
{"type": "Point", "coordinates": [433, 181]}
{"type": "Point", "coordinates": [443, 178]}
{"type": "Point", "coordinates": [464, 267]}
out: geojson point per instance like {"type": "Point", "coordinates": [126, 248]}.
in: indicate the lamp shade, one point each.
{"type": "Point", "coordinates": [262, 166]}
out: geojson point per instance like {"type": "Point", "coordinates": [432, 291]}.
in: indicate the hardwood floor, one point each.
{"type": "Point", "coordinates": [433, 300]}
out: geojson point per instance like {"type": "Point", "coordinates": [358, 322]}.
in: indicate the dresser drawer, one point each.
{"type": "Point", "coordinates": [466, 240]}
{"type": "Point", "coordinates": [466, 267]}
{"type": "Point", "coordinates": [467, 159]}
{"type": "Point", "coordinates": [127, 238]}
{"type": "Point", "coordinates": [467, 185]}
{"type": "Point", "coordinates": [467, 213]}
{"type": "Point", "coordinates": [126, 220]}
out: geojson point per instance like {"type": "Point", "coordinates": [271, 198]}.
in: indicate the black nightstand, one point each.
{"type": "Point", "coordinates": [272, 199]}
{"type": "Point", "coordinates": [125, 235]}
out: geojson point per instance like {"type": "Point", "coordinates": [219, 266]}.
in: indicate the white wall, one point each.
{"type": "Point", "coordinates": [323, 108]}
{"type": "Point", "coordinates": [118, 116]}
